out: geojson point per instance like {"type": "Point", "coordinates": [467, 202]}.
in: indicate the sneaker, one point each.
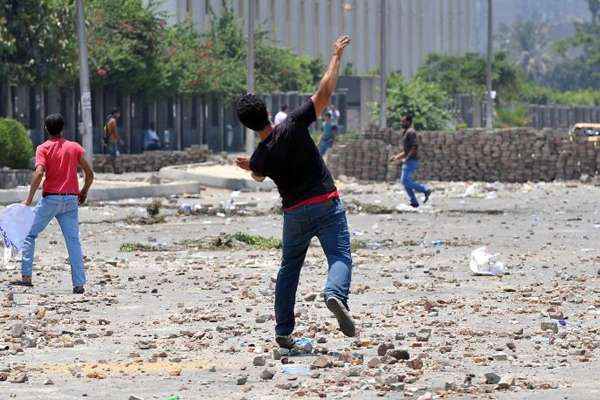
{"type": "Point", "coordinates": [414, 205]}
{"type": "Point", "coordinates": [343, 316]}
{"type": "Point", "coordinates": [285, 341]}
{"type": "Point", "coordinates": [427, 194]}
{"type": "Point", "coordinates": [78, 290]}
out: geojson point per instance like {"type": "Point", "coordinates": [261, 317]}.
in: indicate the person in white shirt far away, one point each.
{"type": "Point", "coordinates": [281, 115]}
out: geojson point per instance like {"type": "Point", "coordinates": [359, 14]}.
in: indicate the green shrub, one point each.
{"type": "Point", "coordinates": [16, 149]}
{"type": "Point", "coordinates": [512, 117]}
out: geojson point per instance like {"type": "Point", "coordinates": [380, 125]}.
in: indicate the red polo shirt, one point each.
{"type": "Point", "coordinates": [60, 159]}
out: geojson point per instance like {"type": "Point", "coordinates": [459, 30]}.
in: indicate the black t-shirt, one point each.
{"type": "Point", "coordinates": [291, 159]}
{"type": "Point", "coordinates": [410, 142]}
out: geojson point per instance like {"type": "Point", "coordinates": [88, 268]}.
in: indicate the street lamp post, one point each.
{"type": "Point", "coordinates": [382, 67]}
{"type": "Point", "coordinates": [489, 124]}
{"type": "Point", "coordinates": [84, 85]}
{"type": "Point", "coordinates": [250, 68]}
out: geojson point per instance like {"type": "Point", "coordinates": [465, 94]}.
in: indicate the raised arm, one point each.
{"type": "Point", "coordinates": [323, 95]}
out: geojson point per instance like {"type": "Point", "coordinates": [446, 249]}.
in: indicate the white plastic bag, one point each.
{"type": "Point", "coordinates": [485, 263]}
{"type": "Point", "coordinates": [15, 223]}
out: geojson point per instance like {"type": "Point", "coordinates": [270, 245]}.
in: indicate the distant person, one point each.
{"type": "Point", "coordinates": [311, 205]}
{"type": "Point", "coordinates": [329, 132]}
{"type": "Point", "coordinates": [335, 115]}
{"type": "Point", "coordinates": [111, 137]}
{"type": "Point", "coordinates": [281, 115]}
{"type": "Point", "coordinates": [57, 159]}
{"type": "Point", "coordinates": [151, 139]}
{"type": "Point", "coordinates": [410, 157]}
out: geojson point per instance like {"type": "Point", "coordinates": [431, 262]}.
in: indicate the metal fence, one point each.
{"type": "Point", "coordinates": [179, 121]}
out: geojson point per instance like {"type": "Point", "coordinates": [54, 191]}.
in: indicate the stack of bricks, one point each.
{"type": "Point", "coordinates": [151, 160]}
{"type": "Point", "coordinates": [509, 155]}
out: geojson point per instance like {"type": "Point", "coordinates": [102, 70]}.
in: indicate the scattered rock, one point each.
{"type": "Point", "coordinates": [415, 363]}
{"type": "Point", "coordinates": [17, 330]}
{"type": "Point", "coordinates": [20, 377]}
{"type": "Point", "coordinates": [549, 326]}
{"type": "Point", "coordinates": [259, 361]}
{"type": "Point", "coordinates": [267, 375]}
{"type": "Point", "coordinates": [506, 382]}
{"type": "Point", "coordinates": [492, 378]}
{"type": "Point", "coordinates": [383, 348]}
{"type": "Point", "coordinates": [242, 379]}
{"type": "Point", "coordinates": [321, 362]}
{"type": "Point", "coordinates": [398, 354]}
{"type": "Point", "coordinates": [374, 362]}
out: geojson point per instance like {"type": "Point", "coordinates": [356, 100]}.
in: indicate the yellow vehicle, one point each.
{"type": "Point", "coordinates": [587, 130]}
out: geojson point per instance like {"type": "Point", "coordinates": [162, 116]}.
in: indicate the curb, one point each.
{"type": "Point", "coordinates": [119, 193]}
{"type": "Point", "coordinates": [174, 173]}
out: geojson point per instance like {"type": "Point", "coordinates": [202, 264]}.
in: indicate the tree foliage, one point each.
{"type": "Point", "coordinates": [467, 75]}
{"type": "Point", "coordinates": [17, 149]}
{"type": "Point", "coordinates": [426, 101]}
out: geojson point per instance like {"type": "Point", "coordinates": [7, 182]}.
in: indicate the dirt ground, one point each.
{"type": "Point", "coordinates": [176, 307]}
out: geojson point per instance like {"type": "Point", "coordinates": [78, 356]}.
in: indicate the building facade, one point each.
{"type": "Point", "coordinates": [415, 28]}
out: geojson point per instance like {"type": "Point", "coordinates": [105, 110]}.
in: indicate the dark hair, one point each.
{"type": "Point", "coordinates": [115, 111]}
{"type": "Point", "coordinates": [328, 114]}
{"type": "Point", "coordinates": [409, 118]}
{"type": "Point", "coordinates": [284, 107]}
{"type": "Point", "coordinates": [152, 125]}
{"type": "Point", "coordinates": [252, 112]}
{"type": "Point", "coordinates": [54, 124]}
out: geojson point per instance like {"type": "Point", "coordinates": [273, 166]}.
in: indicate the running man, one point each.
{"type": "Point", "coordinates": [312, 207]}
{"type": "Point", "coordinates": [57, 159]}
{"type": "Point", "coordinates": [410, 157]}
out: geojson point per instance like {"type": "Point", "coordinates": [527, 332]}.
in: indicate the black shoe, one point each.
{"type": "Point", "coordinates": [343, 316]}
{"type": "Point", "coordinates": [78, 290]}
{"type": "Point", "coordinates": [414, 205]}
{"type": "Point", "coordinates": [285, 342]}
{"type": "Point", "coordinates": [427, 194]}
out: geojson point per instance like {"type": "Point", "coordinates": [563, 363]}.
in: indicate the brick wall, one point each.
{"type": "Point", "coordinates": [510, 155]}
{"type": "Point", "coordinates": [151, 160]}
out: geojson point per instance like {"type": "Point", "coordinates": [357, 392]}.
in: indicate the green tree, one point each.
{"type": "Point", "coordinates": [527, 42]}
{"type": "Point", "coordinates": [17, 149]}
{"type": "Point", "coordinates": [426, 101]}
{"type": "Point", "coordinates": [466, 74]}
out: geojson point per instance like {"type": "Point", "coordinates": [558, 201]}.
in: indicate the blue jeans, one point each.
{"type": "Point", "coordinates": [326, 221]}
{"type": "Point", "coordinates": [408, 169]}
{"type": "Point", "coordinates": [66, 211]}
{"type": "Point", "coordinates": [324, 146]}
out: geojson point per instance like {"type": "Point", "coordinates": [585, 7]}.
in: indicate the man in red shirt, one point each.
{"type": "Point", "coordinates": [57, 159]}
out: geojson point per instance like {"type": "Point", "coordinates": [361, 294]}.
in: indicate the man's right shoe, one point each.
{"type": "Point", "coordinates": [343, 316]}
{"type": "Point", "coordinates": [78, 290]}
{"type": "Point", "coordinates": [285, 342]}
{"type": "Point", "coordinates": [427, 194]}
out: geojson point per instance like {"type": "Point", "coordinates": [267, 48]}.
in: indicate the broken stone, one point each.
{"type": "Point", "coordinates": [321, 362]}
{"type": "Point", "coordinates": [423, 335]}
{"type": "Point", "coordinates": [259, 361]}
{"type": "Point", "coordinates": [374, 362]}
{"type": "Point", "coordinates": [398, 354]}
{"type": "Point", "coordinates": [49, 382]}
{"type": "Point", "coordinates": [20, 377]}
{"type": "Point", "coordinates": [506, 382]}
{"type": "Point", "coordinates": [241, 380]}
{"type": "Point", "coordinates": [415, 363]}
{"type": "Point", "coordinates": [383, 348]}
{"type": "Point", "coordinates": [310, 297]}
{"type": "Point", "coordinates": [17, 330]}
{"type": "Point", "coordinates": [549, 326]}
{"type": "Point", "coordinates": [492, 378]}
{"type": "Point", "coordinates": [267, 375]}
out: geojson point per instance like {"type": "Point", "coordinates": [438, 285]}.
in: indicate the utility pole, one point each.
{"type": "Point", "coordinates": [84, 85]}
{"type": "Point", "coordinates": [490, 100]}
{"type": "Point", "coordinates": [382, 67]}
{"type": "Point", "coordinates": [250, 68]}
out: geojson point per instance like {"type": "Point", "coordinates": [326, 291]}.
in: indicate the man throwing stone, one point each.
{"type": "Point", "coordinates": [288, 155]}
